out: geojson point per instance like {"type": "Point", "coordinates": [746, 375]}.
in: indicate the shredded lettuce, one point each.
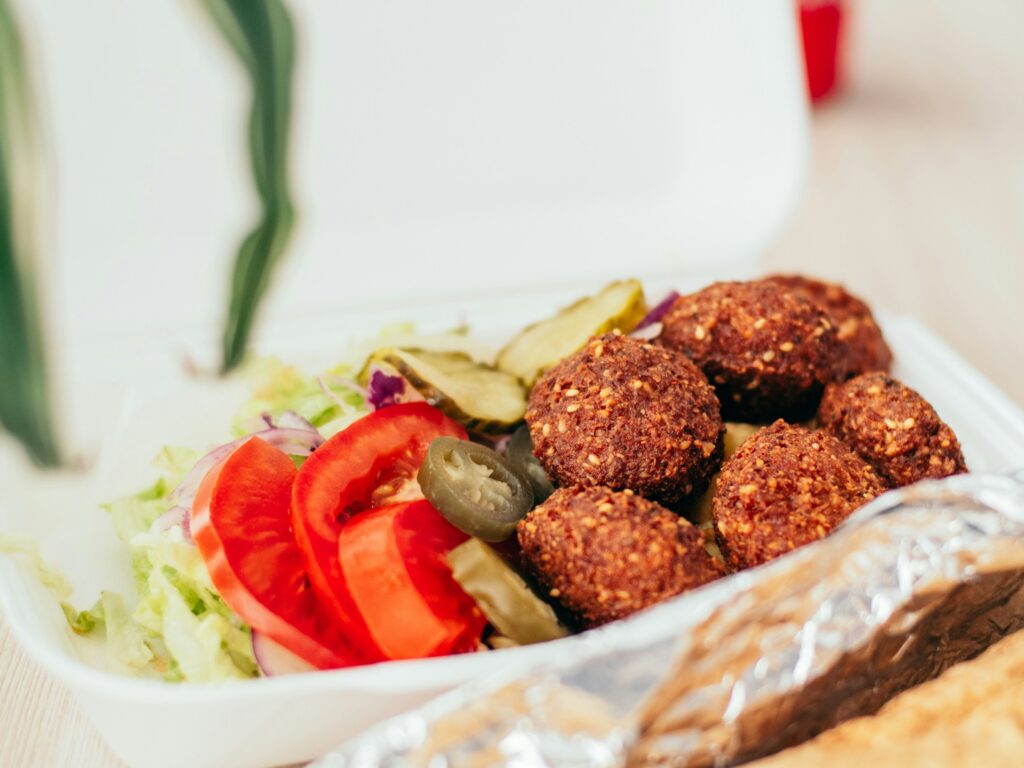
{"type": "Point", "coordinates": [48, 576]}
{"type": "Point", "coordinates": [189, 631]}
{"type": "Point", "coordinates": [134, 514]}
{"type": "Point", "coordinates": [126, 642]}
{"type": "Point", "coordinates": [175, 461]}
{"type": "Point", "coordinates": [204, 640]}
{"type": "Point", "coordinates": [180, 628]}
{"type": "Point", "coordinates": [83, 622]}
{"type": "Point", "coordinates": [277, 388]}
{"type": "Point", "coordinates": [127, 645]}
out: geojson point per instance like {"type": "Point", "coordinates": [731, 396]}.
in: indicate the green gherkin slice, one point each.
{"type": "Point", "coordinates": [536, 348]}
{"type": "Point", "coordinates": [477, 395]}
{"type": "Point", "coordinates": [503, 596]}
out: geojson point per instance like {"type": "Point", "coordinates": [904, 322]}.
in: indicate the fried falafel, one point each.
{"type": "Point", "coordinates": [768, 351]}
{"type": "Point", "coordinates": [892, 428]}
{"type": "Point", "coordinates": [866, 348]}
{"type": "Point", "coordinates": [606, 554]}
{"type": "Point", "coordinates": [785, 487]}
{"type": "Point", "coordinates": [624, 413]}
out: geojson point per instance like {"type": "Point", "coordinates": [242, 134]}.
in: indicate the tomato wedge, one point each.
{"type": "Point", "coordinates": [395, 562]}
{"type": "Point", "coordinates": [368, 465]}
{"type": "Point", "coordinates": [242, 527]}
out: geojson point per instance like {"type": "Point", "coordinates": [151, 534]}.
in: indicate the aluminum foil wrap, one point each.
{"type": "Point", "coordinates": [764, 659]}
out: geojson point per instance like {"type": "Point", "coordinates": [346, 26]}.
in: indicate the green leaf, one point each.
{"type": "Point", "coordinates": [50, 577]}
{"type": "Point", "coordinates": [176, 460]}
{"type": "Point", "coordinates": [135, 514]}
{"type": "Point", "coordinates": [277, 388]}
{"type": "Point", "coordinates": [127, 647]}
{"type": "Point", "coordinates": [203, 643]}
{"type": "Point", "coordinates": [24, 384]}
{"type": "Point", "coordinates": [83, 622]}
{"type": "Point", "coordinates": [260, 33]}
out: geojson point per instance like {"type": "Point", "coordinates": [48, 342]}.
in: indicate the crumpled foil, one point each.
{"type": "Point", "coordinates": [912, 583]}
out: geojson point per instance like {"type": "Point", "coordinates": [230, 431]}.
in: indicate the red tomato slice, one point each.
{"type": "Point", "coordinates": [394, 561]}
{"type": "Point", "coordinates": [242, 527]}
{"type": "Point", "coordinates": [361, 468]}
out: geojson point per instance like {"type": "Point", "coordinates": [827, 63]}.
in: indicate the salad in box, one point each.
{"type": "Point", "coordinates": [420, 502]}
{"type": "Point", "coordinates": [691, 166]}
{"type": "Point", "coordinates": [307, 708]}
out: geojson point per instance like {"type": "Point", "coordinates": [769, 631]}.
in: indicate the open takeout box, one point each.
{"type": "Point", "coordinates": [277, 720]}
{"type": "Point", "coordinates": [477, 162]}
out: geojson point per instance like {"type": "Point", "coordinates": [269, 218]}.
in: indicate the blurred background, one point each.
{"type": "Point", "coordinates": [916, 191]}
{"type": "Point", "coordinates": [432, 155]}
{"type": "Point", "coordinates": [913, 196]}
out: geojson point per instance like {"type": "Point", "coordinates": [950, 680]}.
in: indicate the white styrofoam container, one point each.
{"type": "Point", "coordinates": [458, 160]}
{"type": "Point", "coordinates": [281, 720]}
{"type": "Point", "coordinates": [445, 149]}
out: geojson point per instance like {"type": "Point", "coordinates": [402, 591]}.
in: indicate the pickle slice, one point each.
{"type": "Point", "coordinates": [620, 305]}
{"type": "Point", "coordinates": [481, 397]}
{"type": "Point", "coordinates": [502, 594]}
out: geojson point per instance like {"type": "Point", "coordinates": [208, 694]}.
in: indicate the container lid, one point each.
{"type": "Point", "coordinates": [444, 150]}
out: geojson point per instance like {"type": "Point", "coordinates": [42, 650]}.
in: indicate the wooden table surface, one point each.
{"type": "Point", "coordinates": [915, 200]}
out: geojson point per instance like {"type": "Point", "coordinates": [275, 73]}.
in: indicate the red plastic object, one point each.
{"type": "Point", "coordinates": [822, 22]}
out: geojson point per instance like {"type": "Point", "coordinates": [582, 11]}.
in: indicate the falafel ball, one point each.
{"type": "Point", "coordinates": [786, 486]}
{"type": "Point", "coordinates": [866, 348]}
{"type": "Point", "coordinates": [606, 554]}
{"type": "Point", "coordinates": [768, 351]}
{"type": "Point", "coordinates": [893, 428]}
{"type": "Point", "coordinates": [624, 413]}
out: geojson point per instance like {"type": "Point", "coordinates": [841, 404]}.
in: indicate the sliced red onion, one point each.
{"type": "Point", "coordinates": [295, 442]}
{"type": "Point", "coordinates": [658, 311]}
{"type": "Point", "coordinates": [274, 659]}
{"type": "Point", "coordinates": [648, 332]}
{"type": "Point", "coordinates": [177, 515]}
{"type": "Point", "coordinates": [187, 488]}
{"type": "Point", "coordinates": [287, 420]}
{"type": "Point", "coordinates": [300, 440]}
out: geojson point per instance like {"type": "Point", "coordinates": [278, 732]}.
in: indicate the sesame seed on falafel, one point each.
{"type": "Point", "coordinates": [866, 348]}
{"type": "Point", "coordinates": [785, 487]}
{"type": "Point", "coordinates": [624, 413]}
{"type": "Point", "coordinates": [892, 428]}
{"type": "Point", "coordinates": [768, 351]}
{"type": "Point", "coordinates": [606, 554]}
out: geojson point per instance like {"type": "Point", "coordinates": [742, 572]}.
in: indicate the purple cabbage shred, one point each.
{"type": "Point", "coordinates": [384, 389]}
{"type": "Point", "coordinates": [658, 311]}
